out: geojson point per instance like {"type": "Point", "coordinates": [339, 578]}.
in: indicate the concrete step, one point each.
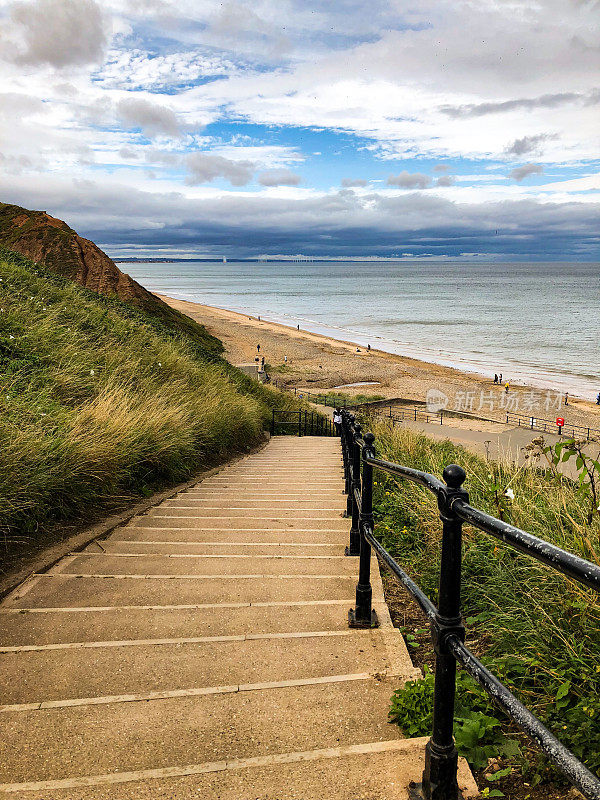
{"type": "Point", "coordinates": [208, 512]}
{"type": "Point", "coordinates": [335, 503]}
{"type": "Point", "coordinates": [239, 535]}
{"type": "Point", "coordinates": [284, 525]}
{"type": "Point", "coordinates": [120, 737]}
{"type": "Point", "coordinates": [68, 590]}
{"type": "Point", "coordinates": [65, 671]}
{"type": "Point", "coordinates": [273, 548]}
{"type": "Point", "coordinates": [47, 626]}
{"type": "Point", "coordinates": [290, 496]}
{"type": "Point", "coordinates": [366, 771]}
{"type": "Point", "coordinates": [201, 565]}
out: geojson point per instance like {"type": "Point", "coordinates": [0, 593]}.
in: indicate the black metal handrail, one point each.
{"type": "Point", "coordinates": [320, 398]}
{"type": "Point", "coordinates": [302, 423]}
{"type": "Point", "coordinates": [447, 628]}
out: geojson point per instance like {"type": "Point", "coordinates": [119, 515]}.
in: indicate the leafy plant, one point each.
{"type": "Point", "coordinates": [477, 731]}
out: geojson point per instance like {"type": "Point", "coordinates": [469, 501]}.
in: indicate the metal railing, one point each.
{"type": "Point", "coordinates": [301, 423]}
{"type": "Point", "coordinates": [319, 398]}
{"type": "Point", "coordinates": [447, 628]}
{"type": "Point", "coordinates": [547, 426]}
{"type": "Point", "coordinates": [416, 414]}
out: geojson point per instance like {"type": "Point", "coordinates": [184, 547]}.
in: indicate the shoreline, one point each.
{"type": "Point", "coordinates": [518, 377]}
{"type": "Point", "coordinates": [318, 361]}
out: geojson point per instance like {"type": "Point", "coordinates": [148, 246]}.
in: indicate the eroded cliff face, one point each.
{"type": "Point", "coordinates": [51, 242]}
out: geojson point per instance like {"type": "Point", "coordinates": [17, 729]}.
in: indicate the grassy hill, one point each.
{"type": "Point", "coordinates": [100, 401]}
{"type": "Point", "coordinates": [51, 243]}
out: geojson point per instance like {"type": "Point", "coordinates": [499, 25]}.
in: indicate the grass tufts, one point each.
{"type": "Point", "coordinates": [100, 401]}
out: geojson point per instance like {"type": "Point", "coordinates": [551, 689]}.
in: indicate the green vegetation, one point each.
{"type": "Point", "coordinates": [535, 629]}
{"type": "Point", "coordinates": [61, 251]}
{"type": "Point", "coordinates": [100, 401]}
{"type": "Point", "coordinates": [342, 398]}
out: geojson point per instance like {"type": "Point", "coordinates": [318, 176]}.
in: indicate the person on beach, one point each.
{"type": "Point", "coordinates": [285, 359]}
{"type": "Point", "coordinates": [566, 398]}
{"type": "Point", "coordinates": [506, 386]}
{"type": "Point", "coordinates": [598, 399]}
{"type": "Point", "coordinates": [337, 421]}
{"type": "Point", "coordinates": [495, 378]}
{"type": "Point", "coordinates": [500, 379]}
{"type": "Point", "coordinates": [368, 348]}
{"type": "Point", "coordinates": [298, 327]}
{"type": "Point", "coordinates": [258, 348]}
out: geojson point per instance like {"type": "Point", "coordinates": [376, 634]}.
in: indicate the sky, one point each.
{"type": "Point", "coordinates": [334, 128]}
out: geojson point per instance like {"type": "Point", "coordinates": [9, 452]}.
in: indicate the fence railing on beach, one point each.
{"type": "Point", "coordinates": [415, 414]}
{"type": "Point", "coordinates": [319, 398]}
{"type": "Point", "coordinates": [547, 426]}
{"type": "Point", "coordinates": [447, 627]}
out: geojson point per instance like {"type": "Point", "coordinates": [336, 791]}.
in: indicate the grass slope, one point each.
{"type": "Point", "coordinates": [101, 401]}
{"type": "Point", "coordinates": [59, 249]}
{"type": "Point", "coordinates": [538, 630]}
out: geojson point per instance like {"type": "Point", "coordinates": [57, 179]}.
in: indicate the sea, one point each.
{"type": "Point", "coordinates": [536, 323]}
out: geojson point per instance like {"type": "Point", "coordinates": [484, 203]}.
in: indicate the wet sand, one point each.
{"type": "Point", "coordinates": [318, 362]}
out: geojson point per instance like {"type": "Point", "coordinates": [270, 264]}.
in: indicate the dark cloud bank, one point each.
{"type": "Point", "coordinates": [342, 224]}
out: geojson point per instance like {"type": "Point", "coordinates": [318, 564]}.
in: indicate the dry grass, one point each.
{"type": "Point", "coordinates": [98, 401]}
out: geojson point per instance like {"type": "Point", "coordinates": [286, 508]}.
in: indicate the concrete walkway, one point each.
{"type": "Point", "coordinates": [504, 446]}
{"type": "Point", "coordinates": [203, 651]}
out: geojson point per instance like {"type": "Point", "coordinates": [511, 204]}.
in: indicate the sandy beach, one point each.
{"type": "Point", "coordinates": [318, 362]}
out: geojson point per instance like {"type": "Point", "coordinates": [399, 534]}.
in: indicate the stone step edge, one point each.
{"type": "Point", "coordinates": [138, 697]}
{"type": "Point", "coordinates": [398, 745]}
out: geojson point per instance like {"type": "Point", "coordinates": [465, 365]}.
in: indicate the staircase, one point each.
{"type": "Point", "coordinates": [203, 650]}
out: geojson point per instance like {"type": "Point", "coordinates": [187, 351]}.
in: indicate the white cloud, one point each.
{"type": "Point", "coordinates": [350, 183]}
{"type": "Point", "coordinates": [520, 173]}
{"type": "Point", "coordinates": [528, 144]}
{"type": "Point", "coordinates": [279, 177]}
{"type": "Point", "coordinates": [60, 33]}
{"type": "Point", "coordinates": [204, 167]}
{"type": "Point", "coordinates": [152, 118]}
{"type": "Point", "coordinates": [407, 180]}
{"type": "Point", "coordinates": [137, 69]}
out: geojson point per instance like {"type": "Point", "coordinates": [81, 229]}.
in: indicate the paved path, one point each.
{"type": "Point", "coordinates": [203, 651]}
{"type": "Point", "coordinates": [505, 445]}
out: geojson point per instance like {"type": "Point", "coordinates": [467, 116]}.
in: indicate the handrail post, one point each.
{"type": "Point", "coordinates": [354, 547]}
{"type": "Point", "coordinates": [441, 756]}
{"type": "Point", "coordinates": [346, 459]}
{"type": "Point", "coordinates": [273, 423]}
{"type": "Point", "coordinates": [363, 615]}
{"type": "Point", "coordinates": [300, 423]}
